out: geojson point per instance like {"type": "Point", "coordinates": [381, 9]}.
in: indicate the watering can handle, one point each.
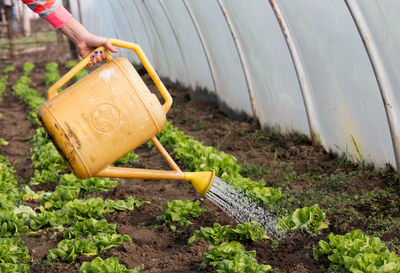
{"type": "Point", "coordinates": [52, 92]}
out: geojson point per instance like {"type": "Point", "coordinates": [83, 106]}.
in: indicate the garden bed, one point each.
{"type": "Point", "coordinates": [353, 196]}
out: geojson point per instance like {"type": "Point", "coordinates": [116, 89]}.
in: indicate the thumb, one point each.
{"type": "Point", "coordinates": [110, 47]}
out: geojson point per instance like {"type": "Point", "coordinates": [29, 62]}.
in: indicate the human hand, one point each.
{"type": "Point", "coordinates": [86, 42]}
{"type": "Point", "coordinates": [90, 43]}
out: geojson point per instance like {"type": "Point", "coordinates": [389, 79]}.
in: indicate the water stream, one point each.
{"type": "Point", "coordinates": [239, 206]}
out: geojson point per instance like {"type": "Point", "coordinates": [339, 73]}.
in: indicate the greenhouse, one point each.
{"type": "Point", "coordinates": [222, 136]}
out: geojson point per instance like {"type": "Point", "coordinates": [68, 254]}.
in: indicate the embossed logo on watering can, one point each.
{"type": "Point", "coordinates": [105, 117]}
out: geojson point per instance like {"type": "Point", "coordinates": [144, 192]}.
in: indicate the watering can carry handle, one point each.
{"type": "Point", "coordinates": [52, 92]}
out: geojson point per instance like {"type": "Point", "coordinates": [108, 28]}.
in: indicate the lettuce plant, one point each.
{"type": "Point", "coordinates": [11, 225]}
{"type": "Point", "coordinates": [9, 68]}
{"type": "Point", "coordinates": [79, 210]}
{"type": "Point", "coordinates": [9, 193]}
{"type": "Point", "coordinates": [27, 68]}
{"type": "Point", "coordinates": [14, 255]}
{"type": "Point", "coordinates": [90, 227]}
{"type": "Point", "coordinates": [97, 207]}
{"type": "Point", "coordinates": [30, 96]}
{"type": "Point", "coordinates": [357, 252]}
{"type": "Point", "coordinates": [80, 75]}
{"type": "Point", "coordinates": [217, 234]}
{"type": "Point", "coordinates": [93, 184]}
{"type": "Point", "coordinates": [179, 212]}
{"type": "Point", "coordinates": [3, 142]}
{"type": "Point", "coordinates": [3, 85]}
{"type": "Point", "coordinates": [68, 250]}
{"type": "Point", "coordinates": [130, 157]}
{"type": "Point", "coordinates": [232, 257]}
{"type": "Point", "coordinates": [308, 220]}
{"type": "Point", "coordinates": [52, 75]}
{"type": "Point", "coordinates": [107, 265]}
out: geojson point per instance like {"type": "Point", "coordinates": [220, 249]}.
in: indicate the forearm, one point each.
{"type": "Point", "coordinates": [75, 31]}
{"type": "Point", "coordinates": [54, 12]}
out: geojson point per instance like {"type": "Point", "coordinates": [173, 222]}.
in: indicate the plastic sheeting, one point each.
{"type": "Point", "coordinates": [278, 97]}
{"type": "Point", "coordinates": [194, 57]}
{"type": "Point", "coordinates": [344, 92]}
{"type": "Point", "coordinates": [237, 52]}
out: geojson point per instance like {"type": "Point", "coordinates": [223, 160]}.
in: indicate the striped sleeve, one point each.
{"type": "Point", "coordinates": [50, 10]}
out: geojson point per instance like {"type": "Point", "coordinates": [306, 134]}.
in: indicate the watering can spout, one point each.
{"type": "Point", "coordinates": [201, 181]}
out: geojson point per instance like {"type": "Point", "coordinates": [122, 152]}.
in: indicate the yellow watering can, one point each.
{"type": "Point", "coordinates": [108, 114]}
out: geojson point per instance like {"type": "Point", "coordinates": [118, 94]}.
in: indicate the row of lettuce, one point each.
{"type": "Point", "coordinates": [353, 252]}
{"type": "Point", "coordinates": [56, 207]}
{"type": "Point", "coordinates": [61, 211]}
{"type": "Point", "coordinates": [14, 255]}
{"type": "Point", "coordinates": [86, 231]}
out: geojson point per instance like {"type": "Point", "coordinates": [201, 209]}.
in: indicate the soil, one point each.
{"type": "Point", "coordinates": [160, 249]}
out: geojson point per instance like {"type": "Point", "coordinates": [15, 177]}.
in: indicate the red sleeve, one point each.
{"type": "Point", "coordinates": [50, 10]}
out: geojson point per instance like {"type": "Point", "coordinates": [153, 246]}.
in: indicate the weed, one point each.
{"type": "Point", "coordinates": [256, 170]}
{"type": "Point", "coordinates": [275, 243]}
{"type": "Point", "coordinates": [185, 186]}
{"type": "Point", "coordinates": [183, 121]}
{"type": "Point", "coordinates": [319, 143]}
{"type": "Point", "coordinates": [336, 182]}
{"type": "Point", "coordinates": [276, 154]}
{"type": "Point", "coordinates": [221, 142]}
{"type": "Point", "coordinates": [360, 158]}
{"type": "Point", "coordinates": [260, 135]}
{"type": "Point", "coordinates": [199, 126]}
{"type": "Point", "coordinates": [342, 159]}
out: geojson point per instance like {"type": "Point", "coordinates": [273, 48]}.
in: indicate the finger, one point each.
{"type": "Point", "coordinates": [93, 59]}
{"type": "Point", "coordinates": [90, 64]}
{"type": "Point", "coordinates": [98, 56]}
{"type": "Point", "coordinates": [102, 54]}
{"type": "Point", "coordinates": [110, 47]}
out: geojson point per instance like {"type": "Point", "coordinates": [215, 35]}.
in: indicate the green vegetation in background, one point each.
{"type": "Point", "coordinates": [9, 68]}
{"type": "Point", "coordinates": [3, 141]}
{"type": "Point", "coordinates": [80, 75]}
{"type": "Point", "coordinates": [27, 68]}
{"type": "Point", "coordinates": [21, 88]}
{"type": "Point", "coordinates": [3, 85]}
{"type": "Point", "coordinates": [52, 75]}
{"type": "Point", "coordinates": [37, 39]}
